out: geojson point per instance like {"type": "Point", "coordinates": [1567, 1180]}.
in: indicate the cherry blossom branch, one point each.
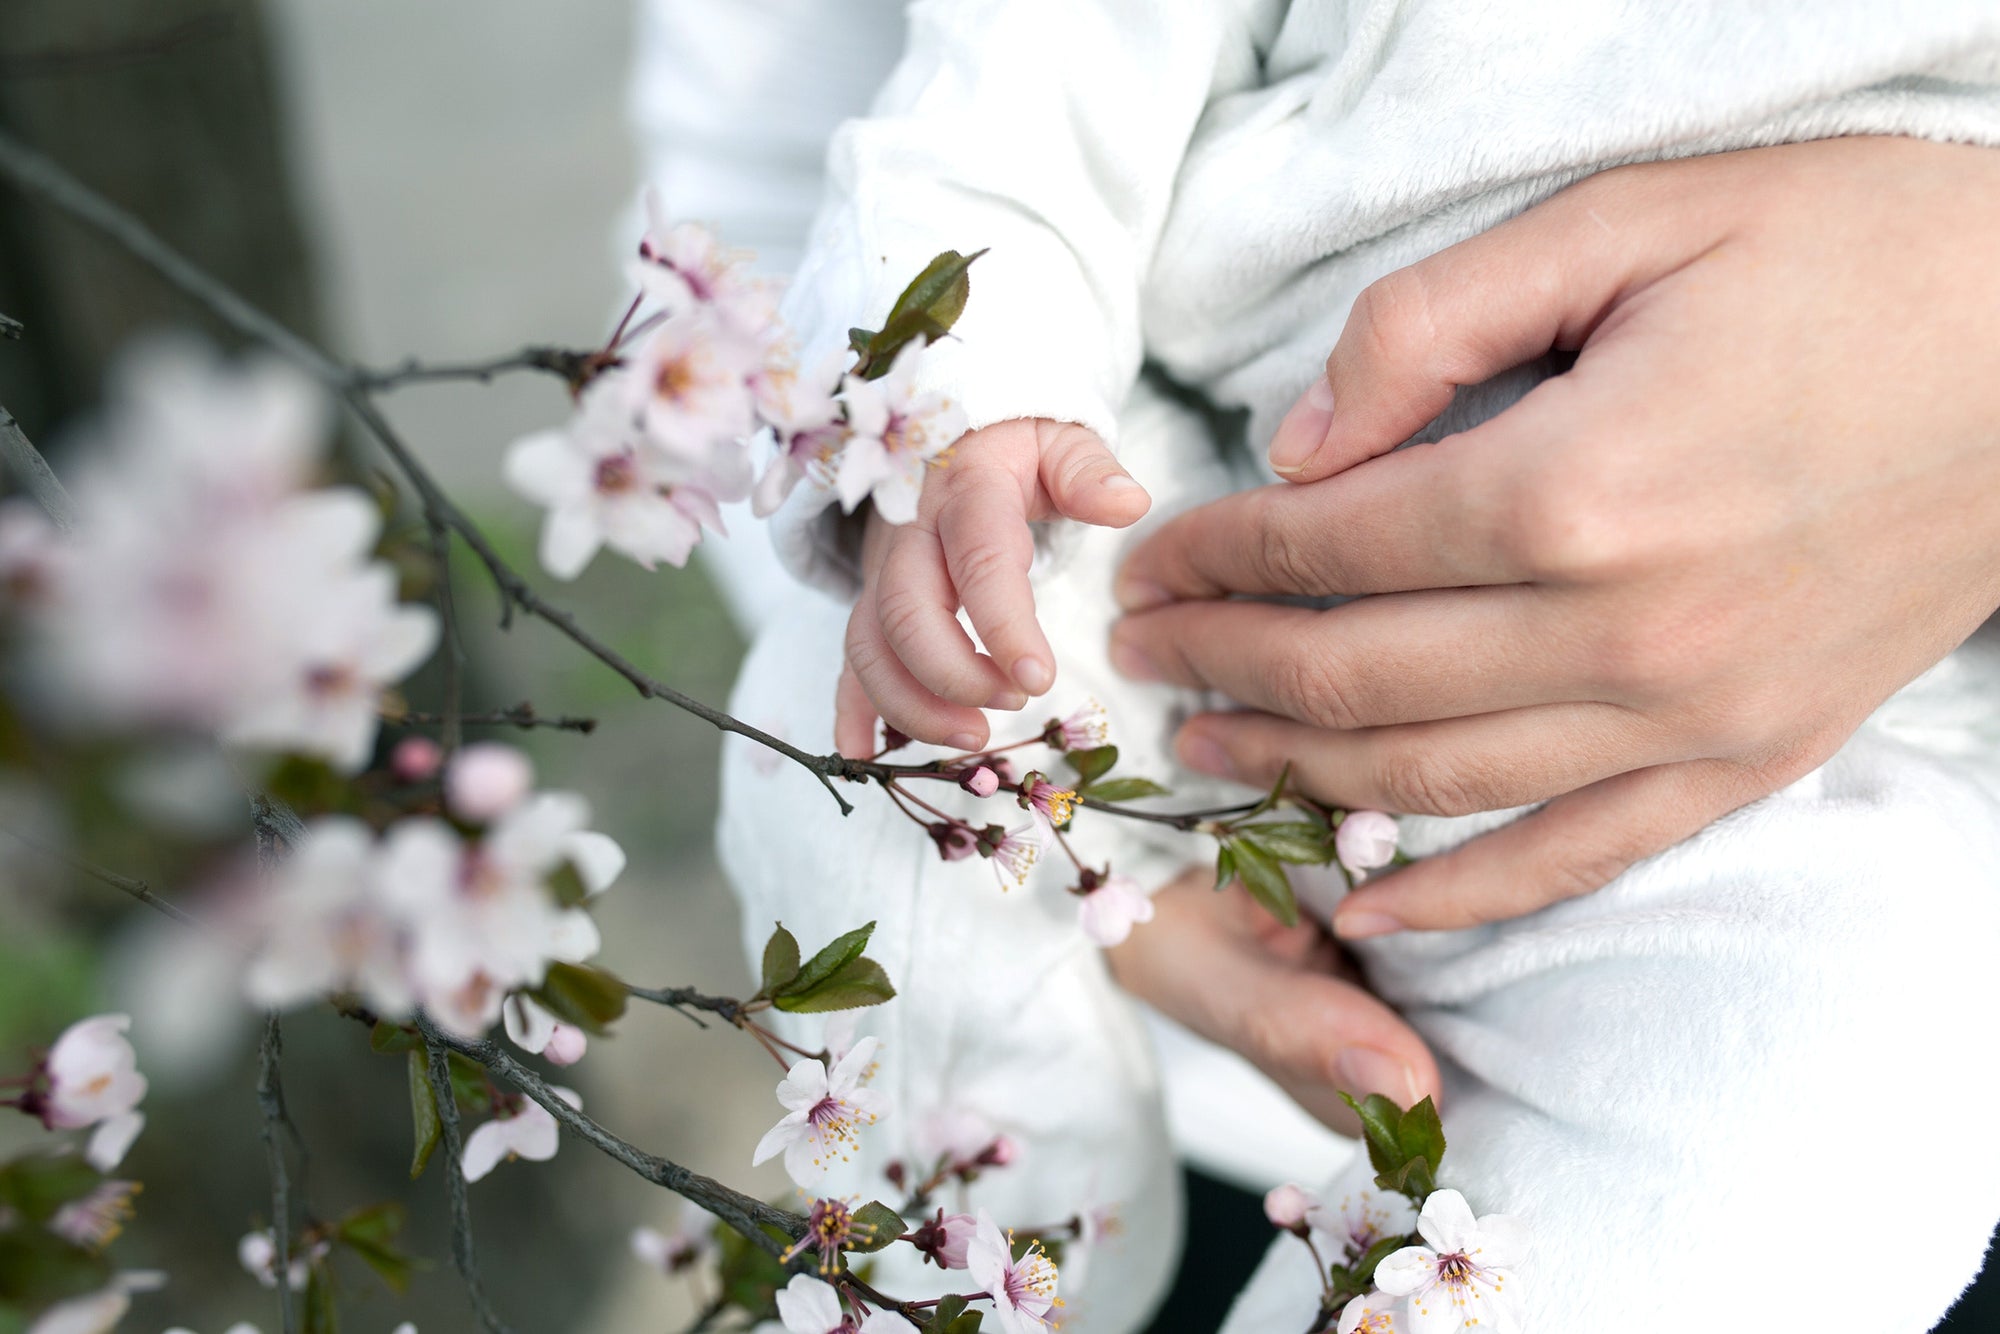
{"type": "Point", "coordinates": [682, 1000]}
{"type": "Point", "coordinates": [125, 884]}
{"type": "Point", "coordinates": [271, 1102]}
{"type": "Point", "coordinates": [521, 715]}
{"type": "Point", "coordinates": [569, 364]}
{"type": "Point", "coordinates": [438, 1070]}
{"type": "Point", "coordinates": [22, 459]}
{"type": "Point", "coordinates": [746, 1214]}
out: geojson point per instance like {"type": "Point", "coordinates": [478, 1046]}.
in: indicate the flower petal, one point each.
{"type": "Point", "coordinates": [1447, 1222]}
{"type": "Point", "coordinates": [1409, 1270]}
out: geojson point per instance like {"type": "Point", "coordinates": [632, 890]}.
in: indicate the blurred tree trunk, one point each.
{"type": "Point", "coordinates": [169, 108]}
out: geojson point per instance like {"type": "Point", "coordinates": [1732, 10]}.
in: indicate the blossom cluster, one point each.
{"type": "Point", "coordinates": [207, 584]}
{"type": "Point", "coordinates": [700, 377]}
{"type": "Point", "coordinates": [450, 915]}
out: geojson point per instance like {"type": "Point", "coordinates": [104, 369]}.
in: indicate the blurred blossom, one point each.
{"type": "Point", "coordinates": [521, 1129]}
{"type": "Point", "coordinates": [532, 1028]}
{"type": "Point", "coordinates": [1287, 1205]}
{"type": "Point", "coordinates": [896, 434]}
{"type": "Point", "coordinates": [486, 780]}
{"type": "Point", "coordinates": [98, 1312]}
{"type": "Point", "coordinates": [113, 1139]}
{"type": "Point", "coordinates": [691, 1242]}
{"type": "Point", "coordinates": [92, 1075]}
{"type": "Point", "coordinates": [683, 267]}
{"type": "Point", "coordinates": [257, 1252]}
{"type": "Point", "coordinates": [804, 430]}
{"type": "Point", "coordinates": [415, 759]}
{"type": "Point", "coordinates": [1109, 911]}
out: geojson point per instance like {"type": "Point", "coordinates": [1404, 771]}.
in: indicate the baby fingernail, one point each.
{"type": "Point", "coordinates": [1119, 481]}
{"type": "Point", "coordinates": [1034, 675]}
{"type": "Point", "coordinates": [1366, 1070]}
{"type": "Point", "coordinates": [1304, 428]}
{"type": "Point", "coordinates": [1132, 663]}
{"type": "Point", "coordinates": [1009, 701]}
{"type": "Point", "coordinates": [1363, 923]}
{"type": "Point", "coordinates": [1205, 755]}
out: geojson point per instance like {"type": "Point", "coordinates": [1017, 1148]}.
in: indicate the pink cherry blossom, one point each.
{"type": "Point", "coordinates": [827, 1113]}
{"type": "Point", "coordinates": [1086, 729]}
{"type": "Point", "coordinates": [1286, 1206]}
{"type": "Point", "coordinates": [519, 1129]}
{"type": "Point", "coordinates": [1014, 852]}
{"type": "Point", "coordinates": [329, 921]}
{"type": "Point", "coordinates": [1024, 1290]}
{"type": "Point", "coordinates": [897, 435]}
{"type": "Point", "coordinates": [980, 782]}
{"type": "Point", "coordinates": [805, 428]}
{"type": "Point", "coordinates": [1110, 910]}
{"type": "Point", "coordinates": [95, 1218]}
{"type": "Point", "coordinates": [92, 1075]}
{"type": "Point", "coordinates": [688, 387]}
{"type": "Point", "coordinates": [943, 1239]}
{"type": "Point", "coordinates": [415, 759]}
{"type": "Point", "coordinates": [1360, 1220]}
{"type": "Point", "coordinates": [1366, 840]}
{"type": "Point", "coordinates": [532, 1028]}
{"type": "Point", "coordinates": [955, 839]}
{"type": "Point", "coordinates": [486, 780]}
{"type": "Point", "coordinates": [1047, 801]}
{"type": "Point", "coordinates": [683, 266]}
{"type": "Point", "coordinates": [1465, 1276]}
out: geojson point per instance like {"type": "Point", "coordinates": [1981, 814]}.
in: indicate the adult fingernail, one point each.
{"type": "Point", "coordinates": [1132, 663]}
{"type": "Point", "coordinates": [1365, 1070]}
{"type": "Point", "coordinates": [1304, 428]}
{"type": "Point", "coordinates": [961, 741]}
{"type": "Point", "coordinates": [1206, 755]}
{"type": "Point", "coordinates": [1033, 674]}
{"type": "Point", "coordinates": [1363, 923]}
{"type": "Point", "coordinates": [1140, 595]}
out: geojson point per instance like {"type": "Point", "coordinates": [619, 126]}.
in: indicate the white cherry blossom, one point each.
{"type": "Point", "coordinates": [1023, 1291]}
{"type": "Point", "coordinates": [896, 435]}
{"type": "Point", "coordinates": [804, 429]}
{"type": "Point", "coordinates": [1372, 1313]}
{"type": "Point", "coordinates": [520, 1129]}
{"type": "Point", "coordinates": [827, 1111]}
{"type": "Point", "coordinates": [330, 922]}
{"type": "Point", "coordinates": [257, 1252]}
{"type": "Point", "coordinates": [92, 1073]}
{"type": "Point", "coordinates": [485, 780]}
{"type": "Point", "coordinates": [1465, 1276]}
{"type": "Point", "coordinates": [1360, 1219]}
{"type": "Point", "coordinates": [533, 1028]}
{"type": "Point", "coordinates": [683, 266]}
{"type": "Point", "coordinates": [113, 1139]}
{"type": "Point", "coordinates": [1109, 911]}
{"type": "Point", "coordinates": [688, 386]}
{"type": "Point", "coordinates": [808, 1305]}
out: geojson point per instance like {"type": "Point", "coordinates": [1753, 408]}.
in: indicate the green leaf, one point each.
{"type": "Point", "coordinates": [966, 1324]}
{"type": "Point", "coordinates": [1092, 764]}
{"type": "Point", "coordinates": [781, 959]}
{"type": "Point", "coordinates": [926, 309]}
{"type": "Point", "coordinates": [888, 1225]}
{"type": "Point", "coordinates": [1412, 1179]}
{"type": "Point", "coordinates": [1273, 797]}
{"type": "Point", "coordinates": [858, 984]}
{"type": "Point", "coordinates": [470, 1087]}
{"type": "Point", "coordinates": [386, 1039]}
{"type": "Point", "coordinates": [1380, 1119]}
{"type": "Point", "coordinates": [423, 1115]}
{"type": "Point", "coordinates": [371, 1233]}
{"type": "Point", "coordinates": [949, 1308]}
{"type": "Point", "coordinates": [1364, 1271]}
{"type": "Point", "coordinates": [828, 961]}
{"type": "Point", "coordinates": [1265, 880]}
{"type": "Point", "coordinates": [322, 1312]}
{"type": "Point", "coordinates": [1225, 865]}
{"type": "Point", "coordinates": [858, 340]}
{"type": "Point", "coordinates": [37, 1267]}
{"type": "Point", "coordinates": [1125, 789]}
{"type": "Point", "coordinates": [566, 884]}
{"type": "Point", "coordinates": [1420, 1134]}
{"type": "Point", "coordinates": [1299, 841]}
{"type": "Point", "coordinates": [582, 996]}
{"type": "Point", "coordinates": [36, 1185]}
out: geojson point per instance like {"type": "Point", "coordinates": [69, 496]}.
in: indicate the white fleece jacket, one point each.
{"type": "Point", "coordinates": [1689, 1082]}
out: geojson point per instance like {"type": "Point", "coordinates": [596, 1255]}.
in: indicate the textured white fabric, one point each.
{"type": "Point", "coordinates": [1719, 1056]}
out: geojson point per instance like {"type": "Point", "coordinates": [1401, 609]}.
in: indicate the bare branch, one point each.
{"type": "Point", "coordinates": [22, 459]}
{"type": "Point", "coordinates": [686, 1000]}
{"type": "Point", "coordinates": [572, 366]}
{"type": "Point", "coordinates": [437, 1067]}
{"type": "Point", "coordinates": [39, 176]}
{"type": "Point", "coordinates": [271, 1101]}
{"type": "Point", "coordinates": [138, 889]}
{"type": "Point", "coordinates": [521, 715]}
{"type": "Point", "coordinates": [451, 725]}
{"type": "Point", "coordinates": [748, 1215]}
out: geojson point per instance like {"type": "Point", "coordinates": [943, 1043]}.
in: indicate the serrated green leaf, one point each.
{"type": "Point", "coordinates": [424, 1123]}
{"type": "Point", "coordinates": [886, 1224]}
{"type": "Point", "coordinates": [36, 1185]}
{"type": "Point", "coordinates": [781, 959]}
{"type": "Point", "coordinates": [1413, 1180]}
{"type": "Point", "coordinates": [1225, 867]}
{"type": "Point", "coordinates": [966, 1324]}
{"type": "Point", "coordinates": [859, 983]}
{"type": "Point", "coordinates": [1420, 1134]}
{"type": "Point", "coordinates": [1091, 765]}
{"type": "Point", "coordinates": [1273, 797]}
{"type": "Point", "coordinates": [828, 961]}
{"type": "Point", "coordinates": [1125, 789]}
{"type": "Point", "coordinates": [1265, 879]}
{"type": "Point", "coordinates": [386, 1039]}
{"type": "Point", "coordinates": [926, 309]}
{"type": "Point", "coordinates": [949, 1308]}
{"type": "Point", "coordinates": [1298, 841]}
{"type": "Point", "coordinates": [1379, 1119]}
{"type": "Point", "coordinates": [582, 996]}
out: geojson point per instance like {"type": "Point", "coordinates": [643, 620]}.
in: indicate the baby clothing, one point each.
{"type": "Point", "coordinates": [1685, 1082]}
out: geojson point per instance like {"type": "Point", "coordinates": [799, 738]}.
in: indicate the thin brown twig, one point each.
{"type": "Point", "coordinates": [126, 884]}
{"type": "Point", "coordinates": [521, 715]}
{"type": "Point", "coordinates": [464, 1257]}
{"type": "Point", "coordinates": [271, 1102]}
{"type": "Point", "coordinates": [570, 365]}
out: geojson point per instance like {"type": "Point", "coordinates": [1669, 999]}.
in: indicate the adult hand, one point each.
{"type": "Point", "coordinates": [1222, 966]}
{"type": "Point", "coordinates": [1663, 584]}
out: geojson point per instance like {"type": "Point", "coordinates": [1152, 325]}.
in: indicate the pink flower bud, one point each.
{"type": "Point", "coordinates": [415, 759]}
{"type": "Point", "coordinates": [566, 1045]}
{"type": "Point", "coordinates": [981, 782]}
{"type": "Point", "coordinates": [943, 1240]}
{"type": "Point", "coordinates": [486, 781]}
{"type": "Point", "coordinates": [955, 842]}
{"type": "Point", "coordinates": [999, 1153]}
{"type": "Point", "coordinates": [1287, 1205]}
{"type": "Point", "coordinates": [1366, 840]}
{"type": "Point", "coordinates": [1002, 767]}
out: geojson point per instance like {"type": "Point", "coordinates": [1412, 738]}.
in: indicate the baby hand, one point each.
{"type": "Point", "coordinates": [909, 661]}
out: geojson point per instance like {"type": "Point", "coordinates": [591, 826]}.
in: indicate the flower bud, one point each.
{"type": "Point", "coordinates": [999, 1153]}
{"type": "Point", "coordinates": [892, 739]}
{"type": "Point", "coordinates": [943, 1239]}
{"type": "Point", "coordinates": [955, 841]}
{"type": "Point", "coordinates": [415, 759]}
{"type": "Point", "coordinates": [1366, 840]}
{"type": "Point", "coordinates": [566, 1045]}
{"type": "Point", "coordinates": [1287, 1205]}
{"type": "Point", "coordinates": [980, 782]}
{"type": "Point", "coordinates": [486, 781]}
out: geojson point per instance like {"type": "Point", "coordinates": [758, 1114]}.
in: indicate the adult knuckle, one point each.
{"type": "Point", "coordinates": [1308, 684]}
{"type": "Point", "coordinates": [1290, 559]}
{"type": "Point", "coordinates": [1556, 530]}
{"type": "Point", "coordinates": [1394, 318]}
{"type": "Point", "coordinates": [1424, 782]}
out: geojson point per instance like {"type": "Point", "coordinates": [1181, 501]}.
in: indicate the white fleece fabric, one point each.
{"type": "Point", "coordinates": [1702, 1085]}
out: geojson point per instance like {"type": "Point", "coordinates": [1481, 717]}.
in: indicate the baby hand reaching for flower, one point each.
{"type": "Point", "coordinates": [909, 660]}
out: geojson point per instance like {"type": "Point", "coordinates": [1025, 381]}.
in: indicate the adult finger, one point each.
{"type": "Point", "coordinates": [1455, 766]}
{"type": "Point", "coordinates": [917, 609]}
{"type": "Point", "coordinates": [854, 717]}
{"type": "Point", "coordinates": [1574, 845]}
{"type": "Point", "coordinates": [1433, 516]}
{"type": "Point", "coordinates": [983, 526]}
{"type": "Point", "coordinates": [1314, 1033]}
{"type": "Point", "coordinates": [1084, 481]}
{"type": "Point", "coordinates": [1398, 658]}
{"type": "Point", "coordinates": [1541, 280]}
{"type": "Point", "coordinates": [898, 697]}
